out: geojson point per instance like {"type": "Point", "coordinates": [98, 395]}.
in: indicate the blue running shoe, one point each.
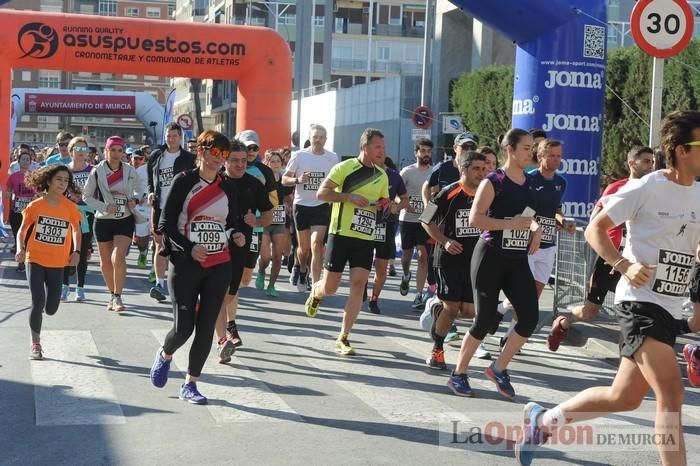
{"type": "Point", "coordinates": [533, 436]}
{"type": "Point", "coordinates": [502, 381]}
{"type": "Point", "coordinates": [459, 384]}
{"type": "Point", "coordinates": [159, 370]}
{"type": "Point", "coordinates": [190, 394]}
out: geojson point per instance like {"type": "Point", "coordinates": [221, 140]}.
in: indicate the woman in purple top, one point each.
{"type": "Point", "coordinates": [504, 210]}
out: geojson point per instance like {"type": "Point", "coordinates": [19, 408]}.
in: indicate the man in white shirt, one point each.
{"type": "Point", "coordinates": [306, 170]}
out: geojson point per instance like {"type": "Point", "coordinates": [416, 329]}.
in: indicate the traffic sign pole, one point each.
{"type": "Point", "coordinates": [657, 89]}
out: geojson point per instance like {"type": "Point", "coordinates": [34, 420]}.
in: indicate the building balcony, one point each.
{"type": "Point", "coordinates": [341, 65]}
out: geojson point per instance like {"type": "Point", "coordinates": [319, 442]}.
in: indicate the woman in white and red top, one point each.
{"type": "Point", "coordinates": [20, 194]}
{"type": "Point", "coordinates": [198, 223]}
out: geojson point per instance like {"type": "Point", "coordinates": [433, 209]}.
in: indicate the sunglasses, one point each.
{"type": "Point", "coordinates": [80, 149]}
{"type": "Point", "coordinates": [216, 152]}
{"type": "Point", "coordinates": [62, 144]}
{"type": "Point", "coordinates": [468, 146]}
{"type": "Point", "coordinates": [253, 148]}
{"type": "Point", "coordinates": [139, 157]}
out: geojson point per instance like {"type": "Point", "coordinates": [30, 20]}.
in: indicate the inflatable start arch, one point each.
{"type": "Point", "coordinates": [257, 58]}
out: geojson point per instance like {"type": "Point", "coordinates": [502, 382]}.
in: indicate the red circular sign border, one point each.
{"type": "Point", "coordinates": [427, 110]}
{"type": "Point", "coordinates": [635, 25]}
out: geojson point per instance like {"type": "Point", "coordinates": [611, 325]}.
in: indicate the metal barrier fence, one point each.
{"type": "Point", "coordinates": [573, 269]}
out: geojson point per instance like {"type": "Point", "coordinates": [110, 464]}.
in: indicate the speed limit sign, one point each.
{"type": "Point", "coordinates": [662, 28]}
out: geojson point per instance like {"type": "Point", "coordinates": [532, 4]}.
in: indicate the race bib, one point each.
{"type": "Point", "coordinates": [462, 228]}
{"type": "Point", "coordinates": [380, 233]}
{"type": "Point", "coordinates": [315, 179]}
{"type": "Point", "coordinates": [416, 203]}
{"type": "Point", "coordinates": [165, 177]}
{"type": "Point", "coordinates": [210, 234]}
{"type": "Point", "coordinates": [515, 240]}
{"type": "Point", "coordinates": [278, 215]}
{"type": "Point", "coordinates": [363, 221]}
{"type": "Point", "coordinates": [121, 207]}
{"type": "Point", "coordinates": [21, 203]}
{"type": "Point", "coordinates": [51, 230]}
{"type": "Point", "coordinates": [80, 179]}
{"type": "Point", "coordinates": [549, 229]}
{"type": "Point", "coordinates": [673, 272]}
{"type": "Point", "coordinates": [255, 243]}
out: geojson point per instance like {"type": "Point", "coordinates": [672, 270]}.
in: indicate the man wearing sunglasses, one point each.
{"type": "Point", "coordinates": [63, 156]}
{"type": "Point", "coordinates": [166, 161]}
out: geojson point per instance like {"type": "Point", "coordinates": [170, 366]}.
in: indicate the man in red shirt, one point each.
{"type": "Point", "coordinates": [640, 161]}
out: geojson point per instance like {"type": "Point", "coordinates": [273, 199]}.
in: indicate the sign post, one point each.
{"type": "Point", "coordinates": [662, 29]}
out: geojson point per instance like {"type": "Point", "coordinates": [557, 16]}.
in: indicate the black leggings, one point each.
{"type": "Point", "coordinates": [493, 271]}
{"type": "Point", "coordinates": [85, 245]}
{"type": "Point", "coordinates": [188, 282]}
{"type": "Point", "coordinates": [15, 224]}
{"type": "Point", "coordinates": [45, 287]}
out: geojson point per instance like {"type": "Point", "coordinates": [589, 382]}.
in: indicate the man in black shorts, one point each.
{"type": "Point", "coordinates": [640, 161]}
{"type": "Point", "coordinates": [447, 221]}
{"type": "Point", "coordinates": [252, 196]}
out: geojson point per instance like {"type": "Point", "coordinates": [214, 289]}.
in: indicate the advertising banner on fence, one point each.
{"type": "Point", "coordinates": [73, 104]}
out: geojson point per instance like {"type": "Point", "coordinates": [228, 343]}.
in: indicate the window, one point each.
{"type": "Point", "coordinates": [339, 25]}
{"type": "Point", "coordinates": [389, 14]}
{"type": "Point", "coordinates": [383, 53]}
{"type": "Point", "coordinates": [129, 76]}
{"type": "Point", "coordinates": [288, 19]}
{"type": "Point", "coordinates": [107, 8]}
{"type": "Point", "coordinates": [319, 18]}
{"type": "Point", "coordinates": [26, 75]}
{"type": "Point", "coordinates": [26, 118]}
{"type": "Point", "coordinates": [131, 11]}
{"type": "Point", "coordinates": [152, 12]}
{"type": "Point", "coordinates": [105, 75]}
{"type": "Point", "coordinates": [340, 51]}
{"type": "Point", "coordinates": [49, 82]}
{"type": "Point", "coordinates": [151, 78]}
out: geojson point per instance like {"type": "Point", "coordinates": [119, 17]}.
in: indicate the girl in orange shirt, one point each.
{"type": "Point", "coordinates": [44, 244]}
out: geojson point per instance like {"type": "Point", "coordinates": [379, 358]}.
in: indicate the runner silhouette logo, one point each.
{"type": "Point", "coordinates": [37, 40]}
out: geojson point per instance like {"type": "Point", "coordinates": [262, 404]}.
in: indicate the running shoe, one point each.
{"type": "Point", "coordinates": [502, 381]}
{"type": "Point", "coordinates": [482, 352]}
{"type": "Point", "coordinates": [21, 268]}
{"type": "Point", "coordinates": [235, 337]}
{"type": "Point", "coordinates": [110, 304]}
{"type": "Point", "coordinates": [452, 335]}
{"type": "Point", "coordinates": [433, 307]}
{"type": "Point", "coordinates": [312, 305]}
{"type": "Point", "coordinates": [271, 291]}
{"type": "Point", "coordinates": [557, 334]}
{"type": "Point", "coordinates": [190, 394]}
{"type": "Point", "coordinates": [159, 370]}
{"type": "Point", "coordinates": [532, 436]}
{"type": "Point", "coordinates": [158, 293]}
{"type": "Point", "coordinates": [342, 346]}
{"type": "Point", "coordinates": [301, 285]}
{"type": "Point", "coordinates": [225, 348]}
{"type": "Point", "coordinates": [141, 261]}
{"type": "Point", "coordinates": [36, 354]}
{"type": "Point", "coordinates": [152, 276]}
{"type": "Point", "coordinates": [118, 305]}
{"type": "Point", "coordinates": [459, 384]}
{"type": "Point", "coordinates": [373, 307]}
{"type": "Point", "coordinates": [405, 282]}
{"type": "Point", "coordinates": [392, 270]}
{"type": "Point", "coordinates": [436, 360]}
{"type": "Point", "coordinates": [418, 301]}
{"type": "Point", "coordinates": [65, 291]}
{"type": "Point", "coordinates": [260, 281]}
{"type": "Point", "coordinates": [294, 277]}
{"type": "Point", "coordinates": [79, 295]}
{"type": "Point", "coordinates": [691, 354]}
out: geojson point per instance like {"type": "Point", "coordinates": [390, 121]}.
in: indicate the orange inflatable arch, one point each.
{"type": "Point", "coordinates": [257, 58]}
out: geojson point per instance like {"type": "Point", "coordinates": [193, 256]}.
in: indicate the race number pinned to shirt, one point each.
{"type": "Point", "coordinates": [51, 230]}
{"type": "Point", "coordinates": [255, 243]}
{"type": "Point", "coordinates": [380, 233]}
{"type": "Point", "coordinates": [121, 207]}
{"type": "Point", "coordinates": [363, 221]}
{"type": "Point", "coordinates": [165, 177]}
{"type": "Point", "coordinates": [416, 203]}
{"type": "Point", "coordinates": [462, 228]}
{"type": "Point", "coordinates": [315, 179]}
{"type": "Point", "coordinates": [278, 215]}
{"type": "Point", "coordinates": [549, 228]}
{"type": "Point", "coordinates": [21, 203]}
{"type": "Point", "coordinates": [673, 272]}
{"type": "Point", "coordinates": [515, 240]}
{"type": "Point", "coordinates": [210, 234]}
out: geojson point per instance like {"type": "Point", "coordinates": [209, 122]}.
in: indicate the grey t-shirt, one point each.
{"type": "Point", "coordinates": [414, 177]}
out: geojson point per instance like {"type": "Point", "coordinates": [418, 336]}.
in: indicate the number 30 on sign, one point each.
{"type": "Point", "coordinates": [662, 28]}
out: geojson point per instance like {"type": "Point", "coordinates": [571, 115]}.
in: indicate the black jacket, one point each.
{"type": "Point", "coordinates": [185, 161]}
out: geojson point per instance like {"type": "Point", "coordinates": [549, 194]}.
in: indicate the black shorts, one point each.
{"type": "Point", "coordinates": [639, 320]}
{"type": "Point", "coordinates": [342, 249]}
{"type": "Point", "coordinates": [253, 251]}
{"type": "Point", "coordinates": [386, 249]}
{"type": "Point", "coordinates": [412, 235]}
{"type": "Point", "coordinates": [306, 217]}
{"type": "Point", "coordinates": [694, 285]}
{"type": "Point", "coordinates": [239, 256]}
{"type": "Point", "coordinates": [155, 220]}
{"type": "Point", "coordinates": [454, 283]}
{"type": "Point", "coordinates": [602, 282]}
{"type": "Point", "coordinates": [106, 228]}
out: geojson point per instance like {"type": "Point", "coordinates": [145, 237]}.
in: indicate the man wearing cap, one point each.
{"type": "Point", "coordinates": [165, 162]}
{"type": "Point", "coordinates": [306, 170]}
{"type": "Point", "coordinates": [63, 156]}
{"type": "Point", "coordinates": [264, 174]}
